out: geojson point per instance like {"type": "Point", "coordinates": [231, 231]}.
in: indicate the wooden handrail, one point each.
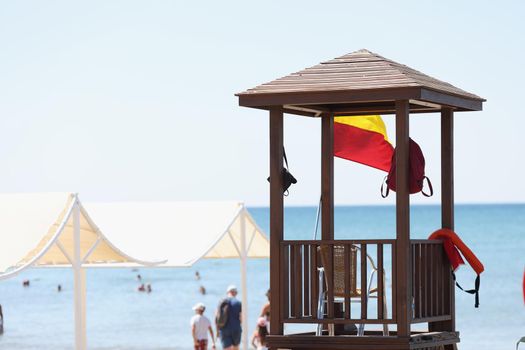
{"type": "Point", "coordinates": [340, 241]}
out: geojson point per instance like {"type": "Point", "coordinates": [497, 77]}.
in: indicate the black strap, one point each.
{"type": "Point", "coordinates": [285, 193]}
{"type": "Point", "coordinates": [383, 193]}
{"type": "Point", "coordinates": [429, 187]}
{"type": "Point", "coordinates": [285, 159]}
{"type": "Point", "coordinates": [474, 291]}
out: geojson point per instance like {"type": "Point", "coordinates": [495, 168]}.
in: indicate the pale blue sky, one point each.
{"type": "Point", "coordinates": [122, 100]}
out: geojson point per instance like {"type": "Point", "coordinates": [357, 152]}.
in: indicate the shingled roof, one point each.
{"type": "Point", "coordinates": [357, 78]}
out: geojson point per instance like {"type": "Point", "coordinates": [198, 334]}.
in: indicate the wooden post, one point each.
{"type": "Point", "coordinates": [327, 176]}
{"type": "Point", "coordinates": [403, 278]}
{"type": "Point", "coordinates": [447, 206]}
{"type": "Point", "coordinates": [447, 169]}
{"type": "Point", "coordinates": [327, 200]}
{"type": "Point", "coordinates": [276, 218]}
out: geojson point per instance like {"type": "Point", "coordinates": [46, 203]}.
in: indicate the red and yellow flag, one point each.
{"type": "Point", "coordinates": [363, 139]}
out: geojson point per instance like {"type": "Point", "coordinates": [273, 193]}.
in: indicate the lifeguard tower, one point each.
{"type": "Point", "coordinates": [422, 289]}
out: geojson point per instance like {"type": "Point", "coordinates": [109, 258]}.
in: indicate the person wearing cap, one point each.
{"type": "Point", "coordinates": [230, 333]}
{"type": "Point", "coordinates": [200, 325]}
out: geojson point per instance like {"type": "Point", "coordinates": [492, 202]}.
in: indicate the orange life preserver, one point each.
{"type": "Point", "coordinates": [472, 259]}
{"type": "Point", "coordinates": [452, 243]}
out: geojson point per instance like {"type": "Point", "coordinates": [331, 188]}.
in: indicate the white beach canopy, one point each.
{"type": "Point", "coordinates": [56, 229]}
{"type": "Point", "coordinates": [39, 230]}
{"type": "Point", "coordinates": [183, 233]}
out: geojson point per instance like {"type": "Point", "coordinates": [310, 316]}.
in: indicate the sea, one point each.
{"type": "Point", "coordinates": [120, 317]}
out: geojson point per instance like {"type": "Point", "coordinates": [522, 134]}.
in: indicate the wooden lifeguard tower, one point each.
{"type": "Point", "coordinates": [361, 83]}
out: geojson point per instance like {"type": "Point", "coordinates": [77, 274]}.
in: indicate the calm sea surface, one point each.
{"type": "Point", "coordinates": [119, 317]}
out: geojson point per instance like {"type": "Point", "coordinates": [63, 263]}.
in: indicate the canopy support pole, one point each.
{"type": "Point", "coordinates": [79, 283]}
{"type": "Point", "coordinates": [244, 254]}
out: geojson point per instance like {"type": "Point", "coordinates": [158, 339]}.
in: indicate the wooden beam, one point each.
{"type": "Point", "coordinates": [447, 169]}
{"type": "Point", "coordinates": [327, 200]}
{"type": "Point", "coordinates": [327, 97]}
{"type": "Point", "coordinates": [403, 260]}
{"type": "Point", "coordinates": [350, 110]}
{"type": "Point", "coordinates": [424, 104]}
{"type": "Point", "coordinates": [317, 111]}
{"type": "Point", "coordinates": [276, 217]}
{"type": "Point", "coordinates": [314, 98]}
{"type": "Point", "coordinates": [444, 99]}
{"type": "Point", "coordinates": [327, 176]}
{"type": "Point", "coordinates": [447, 207]}
{"type": "Point", "coordinates": [353, 109]}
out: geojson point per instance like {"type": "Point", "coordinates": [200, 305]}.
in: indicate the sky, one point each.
{"type": "Point", "coordinates": [134, 100]}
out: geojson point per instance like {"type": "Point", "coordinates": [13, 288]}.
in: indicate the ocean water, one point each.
{"type": "Point", "coordinates": [119, 317]}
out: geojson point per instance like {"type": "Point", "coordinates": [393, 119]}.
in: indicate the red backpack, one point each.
{"type": "Point", "coordinates": [416, 173]}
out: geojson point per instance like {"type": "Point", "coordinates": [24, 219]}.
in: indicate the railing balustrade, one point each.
{"type": "Point", "coordinates": [431, 282]}
{"type": "Point", "coordinates": [352, 281]}
{"type": "Point", "coordinates": [353, 274]}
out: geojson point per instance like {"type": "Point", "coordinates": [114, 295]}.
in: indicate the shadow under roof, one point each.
{"type": "Point", "coordinates": [361, 82]}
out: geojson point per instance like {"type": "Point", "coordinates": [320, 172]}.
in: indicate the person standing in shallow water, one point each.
{"type": "Point", "coordinates": [1, 321]}
{"type": "Point", "coordinates": [230, 333]}
{"type": "Point", "coordinates": [265, 312]}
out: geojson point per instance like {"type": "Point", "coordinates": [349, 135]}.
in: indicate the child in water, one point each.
{"type": "Point", "coordinates": [259, 336]}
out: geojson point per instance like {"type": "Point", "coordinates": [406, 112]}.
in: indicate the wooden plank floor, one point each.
{"type": "Point", "coordinates": [433, 341]}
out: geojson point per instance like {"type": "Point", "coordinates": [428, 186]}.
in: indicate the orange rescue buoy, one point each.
{"type": "Point", "coordinates": [452, 243]}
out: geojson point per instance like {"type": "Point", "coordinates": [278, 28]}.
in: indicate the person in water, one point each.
{"type": "Point", "coordinates": [259, 336]}
{"type": "Point", "coordinates": [59, 288]}
{"type": "Point", "coordinates": [148, 288]}
{"type": "Point", "coordinates": [265, 311]}
{"type": "Point", "coordinates": [141, 288]}
{"type": "Point", "coordinates": [1, 321]}
{"type": "Point", "coordinates": [202, 290]}
{"type": "Point", "coordinates": [200, 326]}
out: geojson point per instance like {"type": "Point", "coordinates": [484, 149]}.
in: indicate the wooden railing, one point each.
{"type": "Point", "coordinates": [353, 270]}
{"type": "Point", "coordinates": [431, 282]}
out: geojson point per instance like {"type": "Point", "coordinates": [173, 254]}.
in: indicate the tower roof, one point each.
{"type": "Point", "coordinates": [361, 78]}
